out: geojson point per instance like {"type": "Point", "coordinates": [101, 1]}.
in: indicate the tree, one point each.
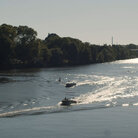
{"type": "Point", "coordinates": [20, 47]}
{"type": "Point", "coordinates": [27, 47]}
{"type": "Point", "coordinates": [45, 55]}
{"type": "Point", "coordinates": [25, 35]}
{"type": "Point", "coordinates": [56, 57]}
{"type": "Point", "coordinates": [7, 44]}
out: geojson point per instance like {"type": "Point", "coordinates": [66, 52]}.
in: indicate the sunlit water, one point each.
{"type": "Point", "coordinates": [38, 91]}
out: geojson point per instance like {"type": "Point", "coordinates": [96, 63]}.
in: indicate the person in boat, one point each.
{"type": "Point", "coordinates": [67, 101]}
{"type": "Point", "coordinates": [59, 79]}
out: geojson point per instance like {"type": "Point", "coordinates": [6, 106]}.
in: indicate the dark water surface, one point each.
{"type": "Point", "coordinates": [106, 95]}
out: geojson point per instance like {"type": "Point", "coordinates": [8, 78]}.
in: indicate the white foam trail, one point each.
{"type": "Point", "coordinates": [25, 104]}
{"type": "Point", "coordinates": [112, 89]}
{"type": "Point", "coordinates": [128, 61]}
{"type": "Point", "coordinates": [105, 95]}
{"type": "Point", "coordinates": [128, 67]}
{"type": "Point", "coordinates": [13, 113]}
{"type": "Point", "coordinates": [108, 105]}
{"type": "Point", "coordinates": [135, 104]}
{"type": "Point", "coordinates": [85, 82]}
{"type": "Point", "coordinates": [125, 105]}
{"type": "Point", "coordinates": [95, 80]}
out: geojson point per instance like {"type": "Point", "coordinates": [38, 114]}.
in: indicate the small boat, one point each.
{"type": "Point", "coordinates": [70, 84]}
{"type": "Point", "coordinates": [67, 102]}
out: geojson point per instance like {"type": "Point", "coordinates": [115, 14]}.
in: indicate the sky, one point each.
{"type": "Point", "coordinates": [94, 21]}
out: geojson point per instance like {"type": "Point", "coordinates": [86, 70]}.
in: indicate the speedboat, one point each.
{"type": "Point", "coordinates": [67, 102]}
{"type": "Point", "coordinates": [70, 84]}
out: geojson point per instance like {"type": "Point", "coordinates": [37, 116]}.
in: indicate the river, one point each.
{"type": "Point", "coordinates": [106, 95]}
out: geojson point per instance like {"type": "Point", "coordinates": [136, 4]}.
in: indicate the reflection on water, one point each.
{"type": "Point", "coordinates": [98, 86]}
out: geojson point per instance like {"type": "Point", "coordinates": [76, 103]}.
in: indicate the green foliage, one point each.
{"type": "Point", "coordinates": [56, 57]}
{"type": "Point", "coordinates": [132, 46]}
{"type": "Point", "coordinates": [25, 35]}
{"type": "Point", "coordinates": [7, 36]}
{"type": "Point", "coordinates": [45, 56]}
{"type": "Point", "coordinates": [20, 48]}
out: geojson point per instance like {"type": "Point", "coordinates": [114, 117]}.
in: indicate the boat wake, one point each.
{"type": "Point", "coordinates": [61, 109]}
{"type": "Point", "coordinates": [28, 111]}
{"type": "Point", "coordinates": [98, 91]}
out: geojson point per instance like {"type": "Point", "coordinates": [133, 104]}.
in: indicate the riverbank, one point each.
{"type": "Point", "coordinates": [20, 48]}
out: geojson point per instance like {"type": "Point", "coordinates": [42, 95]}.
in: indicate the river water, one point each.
{"type": "Point", "coordinates": [106, 95]}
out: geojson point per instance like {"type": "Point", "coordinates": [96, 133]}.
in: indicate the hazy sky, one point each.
{"type": "Point", "coordinates": [94, 21]}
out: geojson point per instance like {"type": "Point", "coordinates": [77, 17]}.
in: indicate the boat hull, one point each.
{"type": "Point", "coordinates": [70, 84]}
{"type": "Point", "coordinates": [67, 102]}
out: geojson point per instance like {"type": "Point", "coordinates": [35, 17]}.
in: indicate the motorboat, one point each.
{"type": "Point", "coordinates": [70, 84]}
{"type": "Point", "coordinates": [67, 102]}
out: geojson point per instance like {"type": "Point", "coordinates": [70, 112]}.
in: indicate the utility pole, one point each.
{"type": "Point", "coordinates": [112, 40]}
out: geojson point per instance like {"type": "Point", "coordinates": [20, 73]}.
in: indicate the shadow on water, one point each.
{"type": "Point", "coordinates": [5, 80]}
{"type": "Point", "coordinates": [17, 75]}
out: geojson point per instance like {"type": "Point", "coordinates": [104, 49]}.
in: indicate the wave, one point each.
{"type": "Point", "coordinates": [50, 110]}
{"type": "Point", "coordinates": [111, 90]}
{"type": "Point", "coordinates": [25, 111]}
{"type": "Point", "coordinates": [61, 109]}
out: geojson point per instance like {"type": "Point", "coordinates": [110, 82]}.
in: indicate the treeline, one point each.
{"type": "Point", "coordinates": [20, 48]}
